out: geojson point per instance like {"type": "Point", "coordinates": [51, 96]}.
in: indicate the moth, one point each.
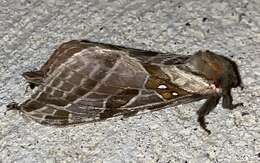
{"type": "Point", "coordinates": [85, 81]}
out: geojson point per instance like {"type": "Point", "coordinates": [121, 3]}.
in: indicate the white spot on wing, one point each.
{"type": "Point", "coordinates": [174, 93]}
{"type": "Point", "coordinates": [162, 86]}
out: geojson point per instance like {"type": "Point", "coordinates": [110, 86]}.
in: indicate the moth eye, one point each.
{"type": "Point", "coordinates": [162, 86]}
{"type": "Point", "coordinates": [174, 93]}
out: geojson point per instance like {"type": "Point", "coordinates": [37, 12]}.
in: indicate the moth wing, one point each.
{"type": "Point", "coordinates": [69, 81]}
{"type": "Point", "coordinates": [144, 56]}
{"type": "Point", "coordinates": [97, 83]}
{"type": "Point", "coordinates": [59, 56]}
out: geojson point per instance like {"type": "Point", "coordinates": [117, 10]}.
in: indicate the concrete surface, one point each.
{"type": "Point", "coordinates": [30, 30]}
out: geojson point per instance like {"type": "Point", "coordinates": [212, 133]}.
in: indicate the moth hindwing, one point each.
{"type": "Point", "coordinates": [86, 81]}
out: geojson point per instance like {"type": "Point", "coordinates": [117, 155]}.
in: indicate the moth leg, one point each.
{"type": "Point", "coordinates": [206, 108]}
{"type": "Point", "coordinates": [227, 100]}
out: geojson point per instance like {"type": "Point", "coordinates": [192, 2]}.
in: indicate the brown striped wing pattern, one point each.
{"type": "Point", "coordinates": [85, 81]}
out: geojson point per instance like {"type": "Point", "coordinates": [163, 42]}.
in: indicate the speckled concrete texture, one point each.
{"type": "Point", "coordinates": [30, 30]}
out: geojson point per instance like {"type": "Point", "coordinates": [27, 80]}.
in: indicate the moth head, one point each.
{"type": "Point", "coordinates": [217, 68]}
{"type": "Point", "coordinates": [227, 70]}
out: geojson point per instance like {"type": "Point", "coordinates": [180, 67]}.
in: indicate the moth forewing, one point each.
{"type": "Point", "coordinates": [190, 82]}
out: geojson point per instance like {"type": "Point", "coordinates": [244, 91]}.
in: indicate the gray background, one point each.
{"type": "Point", "coordinates": [30, 30]}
